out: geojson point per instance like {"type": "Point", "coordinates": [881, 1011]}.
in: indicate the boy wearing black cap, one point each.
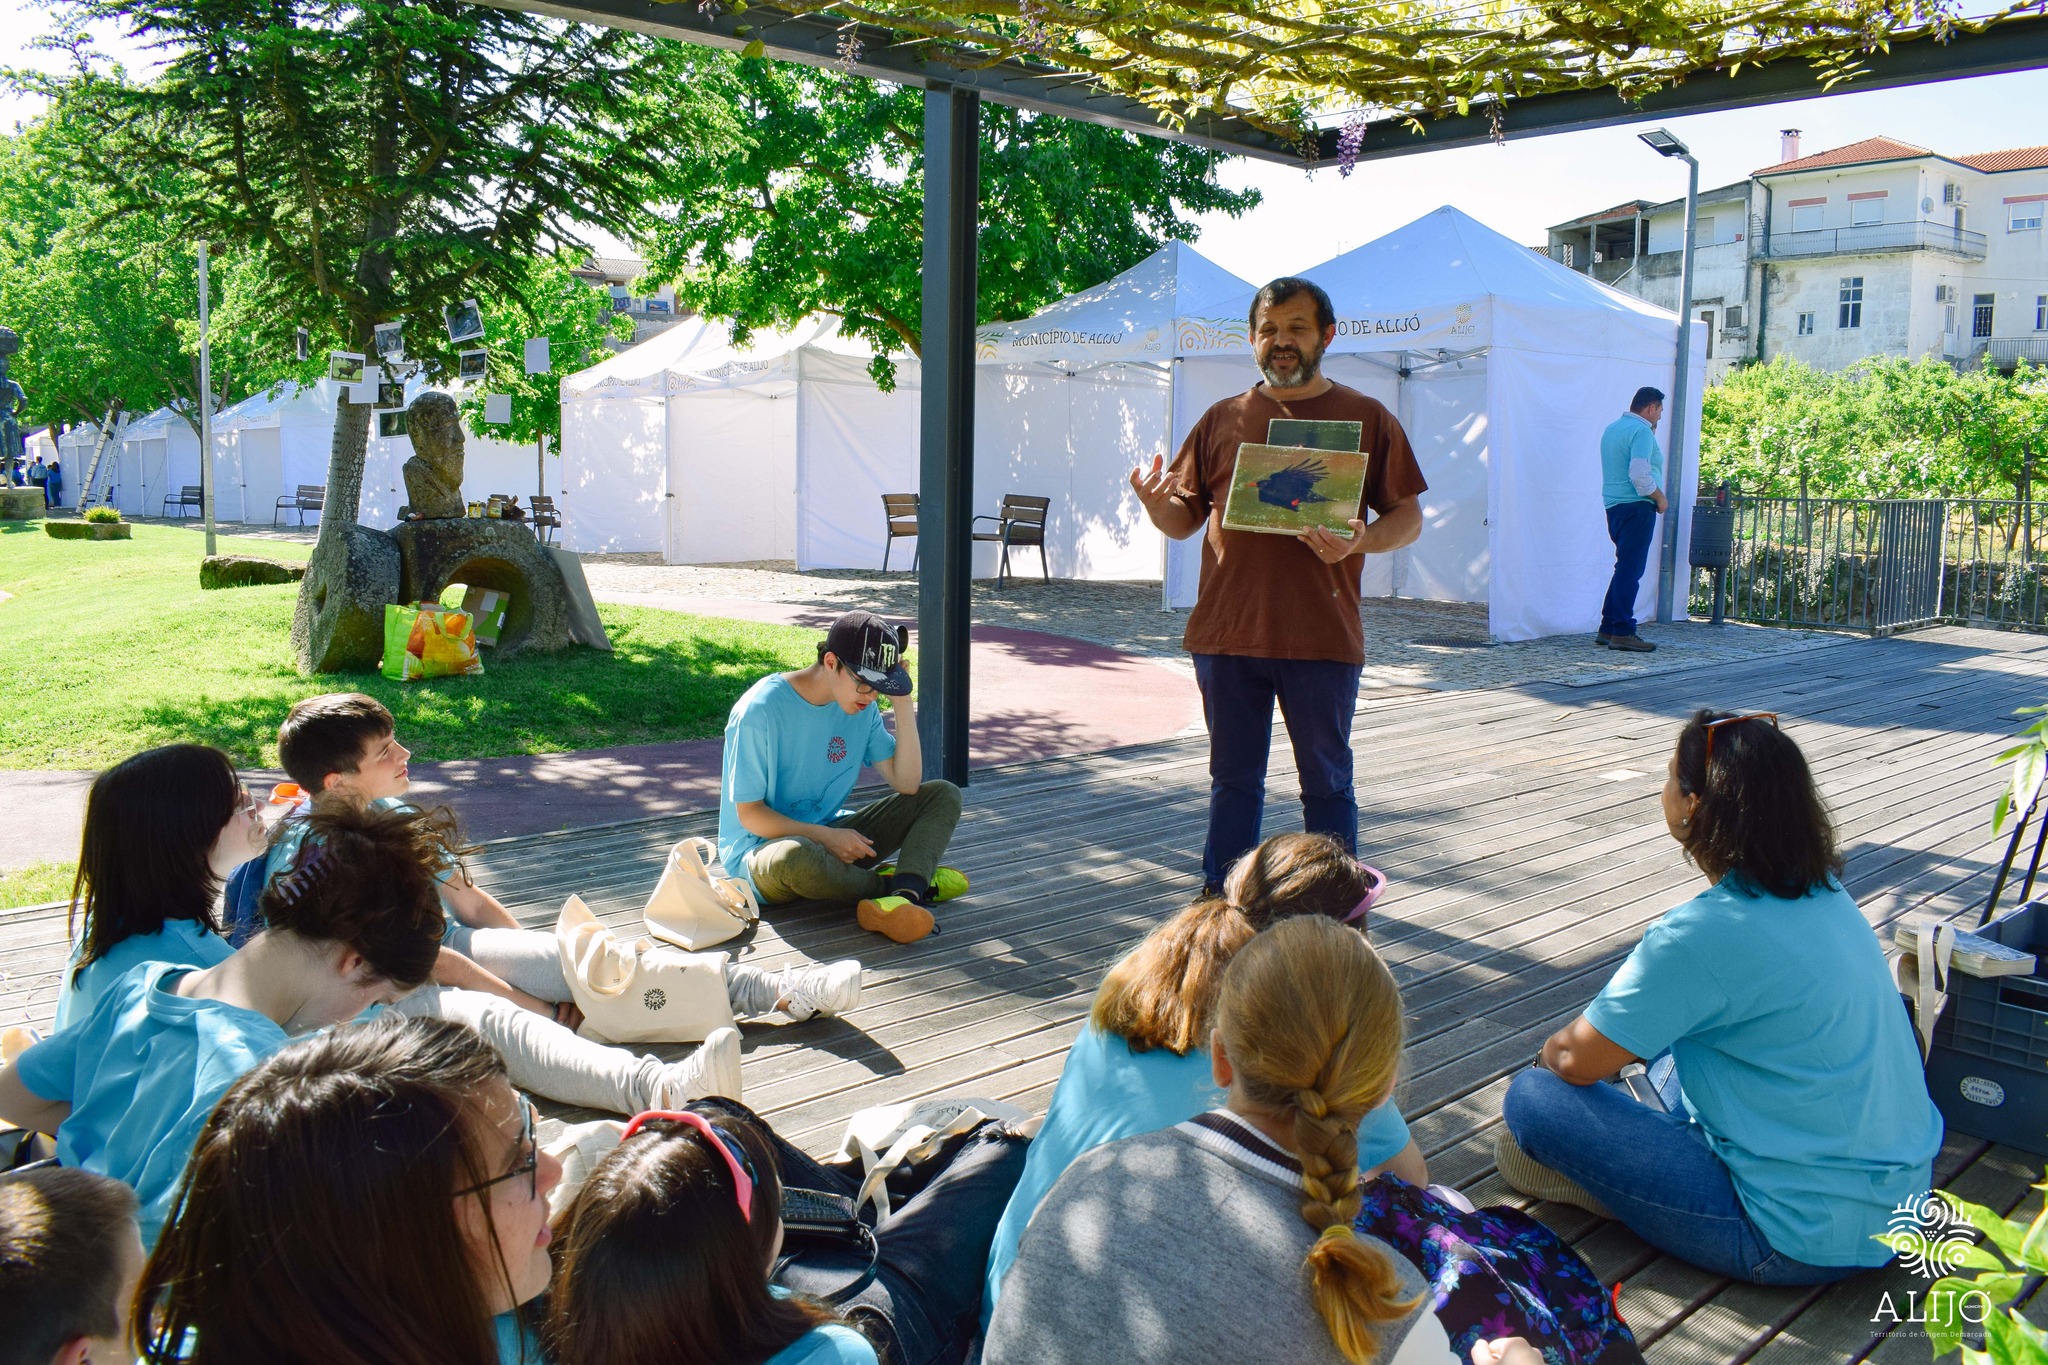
{"type": "Point", "coordinates": [794, 747]}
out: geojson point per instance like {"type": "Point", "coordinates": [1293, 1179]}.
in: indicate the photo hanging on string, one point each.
{"type": "Point", "coordinates": [465, 321]}
{"type": "Point", "coordinates": [472, 366]}
{"type": "Point", "coordinates": [302, 344]}
{"type": "Point", "coordinates": [345, 367]}
{"type": "Point", "coordinates": [390, 339]}
{"type": "Point", "coordinates": [392, 423]}
{"type": "Point", "coordinates": [390, 395]}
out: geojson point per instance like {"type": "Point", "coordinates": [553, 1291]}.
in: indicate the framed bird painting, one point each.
{"type": "Point", "coordinates": [1285, 490]}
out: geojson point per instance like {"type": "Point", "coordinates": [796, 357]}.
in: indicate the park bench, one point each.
{"type": "Point", "coordinates": [188, 496]}
{"type": "Point", "coordinates": [311, 497]}
{"type": "Point", "coordinates": [1019, 521]}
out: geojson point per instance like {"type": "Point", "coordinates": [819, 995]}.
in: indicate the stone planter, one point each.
{"type": "Point", "coordinates": [20, 504]}
{"type": "Point", "coordinates": [87, 530]}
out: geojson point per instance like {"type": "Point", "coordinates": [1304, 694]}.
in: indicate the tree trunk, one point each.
{"type": "Point", "coordinates": [338, 625]}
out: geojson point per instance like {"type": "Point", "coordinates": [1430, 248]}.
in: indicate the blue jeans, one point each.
{"type": "Point", "coordinates": [53, 493]}
{"type": "Point", "coordinates": [1630, 525]}
{"type": "Point", "coordinates": [1654, 1170]}
{"type": "Point", "coordinates": [1318, 698]}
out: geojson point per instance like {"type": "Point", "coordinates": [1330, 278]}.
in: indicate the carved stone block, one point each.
{"type": "Point", "coordinates": [488, 554]}
{"type": "Point", "coordinates": [339, 624]}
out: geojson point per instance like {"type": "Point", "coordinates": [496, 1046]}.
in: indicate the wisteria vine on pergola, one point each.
{"type": "Point", "coordinates": [1283, 64]}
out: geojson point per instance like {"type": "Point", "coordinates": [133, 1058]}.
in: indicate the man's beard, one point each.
{"type": "Point", "coordinates": [1298, 375]}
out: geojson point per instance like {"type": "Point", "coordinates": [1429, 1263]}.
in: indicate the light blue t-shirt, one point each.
{"type": "Point", "coordinates": [803, 760]}
{"type": "Point", "coordinates": [183, 941]}
{"type": "Point", "coordinates": [1794, 1056]}
{"type": "Point", "coordinates": [141, 1073]}
{"type": "Point", "coordinates": [1627, 438]}
{"type": "Point", "coordinates": [1106, 1092]}
{"type": "Point", "coordinates": [827, 1345]}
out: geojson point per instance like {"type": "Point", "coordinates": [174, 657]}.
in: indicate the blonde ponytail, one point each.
{"type": "Point", "coordinates": [1311, 1022]}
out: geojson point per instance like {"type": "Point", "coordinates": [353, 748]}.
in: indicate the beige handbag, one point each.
{"type": "Point", "coordinates": [639, 992]}
{"type": "Point", "coordinates": [693, 909]}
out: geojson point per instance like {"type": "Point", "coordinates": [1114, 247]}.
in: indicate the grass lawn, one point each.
{"type": "Point", "coordinates": [36, 884]}
{"type": "Point", "coordinates": [111, 647]}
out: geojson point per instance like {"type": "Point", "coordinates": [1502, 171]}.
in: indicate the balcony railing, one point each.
{"type": "Point", "coordinates": [1921, 236]}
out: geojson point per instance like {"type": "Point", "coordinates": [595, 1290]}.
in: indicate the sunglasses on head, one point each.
{"type": "Point", "coordinates": [529, 1160]}
{"type": "Point", "coordinates": [722, 1142]}
{"type": "Point", "coordinates": [1378, 880]}
{"type": "Point", "coordinates": [1713, 725]}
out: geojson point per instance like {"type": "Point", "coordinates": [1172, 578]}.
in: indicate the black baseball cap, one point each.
{"type": "Point", "coordinates": [873, 649]}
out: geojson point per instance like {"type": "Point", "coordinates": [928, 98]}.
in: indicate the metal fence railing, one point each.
{"type": "Point", "coordinates": [1884, 564]}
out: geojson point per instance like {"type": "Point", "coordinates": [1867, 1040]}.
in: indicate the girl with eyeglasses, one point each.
{"type": "Point", "coordinates": [126, 1088]}
{"type": "Point", "coordinates": [162, 832]}
{"type": "Point", "coordinates": [1784, 1116]}
{"type": "Point", "coordinates": [373, 1194]}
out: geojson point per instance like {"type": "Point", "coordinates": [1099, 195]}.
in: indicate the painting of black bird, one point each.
{"type": "Point", "coordinates": [1294, 485]}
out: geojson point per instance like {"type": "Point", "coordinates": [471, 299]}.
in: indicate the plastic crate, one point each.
{"type": "Point", "coordinates": [1988, 1069]}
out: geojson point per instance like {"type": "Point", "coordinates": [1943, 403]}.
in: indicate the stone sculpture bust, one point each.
{"type": "Point", "coordinates": [433, 476]}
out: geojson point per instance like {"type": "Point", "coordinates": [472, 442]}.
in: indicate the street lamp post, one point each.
{"type": "Point", "coordinates": [205, 407]}
{"type": "Point", "coordinates": [1664, 143]}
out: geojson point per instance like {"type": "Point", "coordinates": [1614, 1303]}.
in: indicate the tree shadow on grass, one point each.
{"type": "Point", "coordinates": [531, 703]}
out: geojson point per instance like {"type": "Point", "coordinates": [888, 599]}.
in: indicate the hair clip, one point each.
{"type": "Point", "coordinates": [312, 863]}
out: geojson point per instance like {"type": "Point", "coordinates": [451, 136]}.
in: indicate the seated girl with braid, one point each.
{"type": "Point", "coordinates": [125, 1088]}
{"type": "Point", "coordinates": [1136, 1241]}
{"type": "Point", "coordinates": [1142, 1064]}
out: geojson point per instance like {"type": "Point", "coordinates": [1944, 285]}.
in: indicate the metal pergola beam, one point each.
{"type": "Point", "coordinates": [918, 62]}
{"type": "Point", "coordinates": [2015, 45]}
{"type": "Point", "coordinates": [945, 511]}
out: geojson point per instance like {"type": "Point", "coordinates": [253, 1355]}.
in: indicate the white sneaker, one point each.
{"type": "Point", "coordinates": [827, 988]}
{"type": "Point", "coordinates": [713, 1069]}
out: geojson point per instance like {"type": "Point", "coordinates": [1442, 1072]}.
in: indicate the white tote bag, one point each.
{"type": "Point", "coordinates": [693, 909]}
{"type": "Point", "coordinates": [639, 992]}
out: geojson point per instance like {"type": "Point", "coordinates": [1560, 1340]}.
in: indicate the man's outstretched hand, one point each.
{"type": "Point", "coordinates": [1154, 487]}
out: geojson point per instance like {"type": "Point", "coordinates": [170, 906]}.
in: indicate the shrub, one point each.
{"type": "Point", "coordinates": [102, 514]}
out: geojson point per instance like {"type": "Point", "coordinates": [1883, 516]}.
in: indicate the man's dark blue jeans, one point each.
{"type": "Point", "coordinates": [1318, 698]}
{"type": "Point", "coordinates": [1630, 525]}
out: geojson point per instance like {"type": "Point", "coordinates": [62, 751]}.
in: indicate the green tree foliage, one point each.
{"type": "Point", "coordinates": [820, 207]}
{"type": "Point", "coordinates": [106, 304]}
{"type": "Point", "coordinates": [1887, 427]}
{"type": "Point", "coordinates": [377, 161]}
{"type": "Point", "coordinates": [576, 319]}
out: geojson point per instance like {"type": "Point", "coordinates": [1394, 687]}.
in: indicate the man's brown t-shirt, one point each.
{"type": "Point", "coordinates": [1269, 596]}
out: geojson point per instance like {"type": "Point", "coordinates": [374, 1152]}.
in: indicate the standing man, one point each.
{"type": "Point", "coordinates": [1632, 472]}
{"type": "Point", "coordinates": [1278, 616]}
{"type": "Point", "coordinates": [794, 747]}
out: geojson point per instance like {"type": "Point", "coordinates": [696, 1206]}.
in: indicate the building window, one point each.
{"type": "Point", "coordinates": [1866, 212]}
{"type": "Point", "coordinates": [1567, 253]}
{"type": "Point", "coordinates": [1850, 311]}
{"type": "Point", "coordinates": [1703, 231]}
{"type": "Point", "coordinates": [1806, 324]}
{"type": "Point", "coordinates": [1806, 217]}
{"type": "Point", "coordinates": [1733, 319]}
{"type": "Point", "coordinates": [2025, 217]}
{"type": "Point", "coordinates": [2041, 312]}
{"type": "Point", "coordinates": [1981, 306]}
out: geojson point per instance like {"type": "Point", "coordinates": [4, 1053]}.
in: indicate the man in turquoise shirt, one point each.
{"type": "Point", "coordinates": [1631, 469]}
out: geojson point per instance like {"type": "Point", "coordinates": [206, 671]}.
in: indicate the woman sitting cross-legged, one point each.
{"type": "Point", "coordinates": [1142, 1063]}
{"type": "Point", "coordinates": [1798, 1118]}
{"type": "Point", "coordinates": [370, 1196]}
{"type": "Point", "coordinates": [126, 1088]}
{"type": "Point", "coordinates": [1229, 1236]}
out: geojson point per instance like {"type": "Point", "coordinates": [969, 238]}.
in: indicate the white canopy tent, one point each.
{"type": "Point", "coordinates": [267, 445]}
{"type": "Point", "coordinates": [159, 454]}
{"type": "Point", "coordinates": [1503, 368]}
{"type": "Point", "coordinates": [1070, 399]}
{"type": "Point", "coordinates": [712, 453]}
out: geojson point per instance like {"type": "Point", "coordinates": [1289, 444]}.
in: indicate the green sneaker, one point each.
{"type": "Point", "coordinates": [896, 918]}
{"type": "Point", "coordinates": [948, 883]}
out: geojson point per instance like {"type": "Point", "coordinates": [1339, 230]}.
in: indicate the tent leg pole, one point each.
{"type": "Point", "coordinates": [952, 212]}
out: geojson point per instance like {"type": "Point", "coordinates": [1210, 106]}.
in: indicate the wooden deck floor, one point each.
{"type": "Point", "coordinates": [1520, 828]}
